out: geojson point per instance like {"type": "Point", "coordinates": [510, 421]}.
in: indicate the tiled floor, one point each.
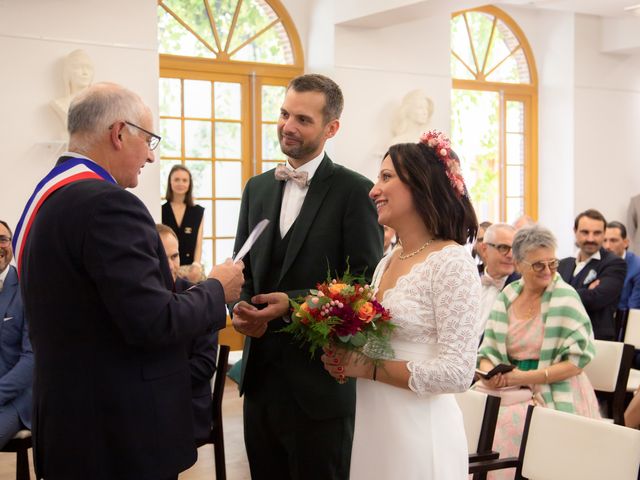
{"type": "Point", "coordinates": [237, 467]}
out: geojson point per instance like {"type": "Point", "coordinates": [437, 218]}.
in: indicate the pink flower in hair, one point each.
{"type": "Point", "coordinates": [441, 146]}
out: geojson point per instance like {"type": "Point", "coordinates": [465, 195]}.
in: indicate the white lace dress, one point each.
{"type": "Point", "coordinates": [418, 433]}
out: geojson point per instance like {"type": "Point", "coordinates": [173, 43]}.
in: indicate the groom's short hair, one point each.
{"type": "Point", "coordinates": [333, 99]}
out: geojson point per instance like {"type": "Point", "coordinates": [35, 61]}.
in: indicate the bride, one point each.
{"type": "Point", "coordinates": [408, 424]}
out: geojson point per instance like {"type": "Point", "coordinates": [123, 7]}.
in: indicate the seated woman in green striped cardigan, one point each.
{"type": "Point", "coordinates": [538, 324]}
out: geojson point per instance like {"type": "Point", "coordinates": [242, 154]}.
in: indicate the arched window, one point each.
{"type": "Point", "coordinates": [224, 65]}
{"type": "Point", "coordinates": [494, 113]}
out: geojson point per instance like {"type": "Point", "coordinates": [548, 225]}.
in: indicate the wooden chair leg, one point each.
{"type": "Point", "coordinates": [218, 450]}
{"type": "Point", "coordinates": [22, 464]}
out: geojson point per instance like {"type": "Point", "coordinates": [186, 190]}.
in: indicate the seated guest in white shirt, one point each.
{"type": "Point", "coordinates": [390, 240]}
{"type": "Point", "coordinates": [499, 268]}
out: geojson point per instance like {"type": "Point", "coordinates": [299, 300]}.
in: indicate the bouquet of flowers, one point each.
{"type": "Point", "coordinates": [344, 312]}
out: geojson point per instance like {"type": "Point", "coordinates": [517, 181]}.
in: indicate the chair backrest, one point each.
{"type": "Point", "coordinates": [608, 372]}
{"type": "Point", "coordinates": [632, 328]}
{"type": "Point", "coordinates": [560, 445]}
{"type": "Point", "coordinates": [219, 381]}
{"type": "Point", "coordinates": [480, 414]}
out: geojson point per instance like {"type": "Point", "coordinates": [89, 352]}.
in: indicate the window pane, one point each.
{"type": "Point", "coordinates": [515, 117]}
{"type": "Point", "coordinates": [253, 17]}
{"type": "Point", "coordinates": [224, 249]}
{"type": "Point", "coordinates": [270, 144]}
{"type": "Point", "coordinates": [207, 228]}
{"type": "Point", "coordinates": [202, 177]}
{"type": "Point", "coordinates": [267, 48]}
{"type": "Point", "coordinates": [458, 70]}
{"type": "Point", "coordinates": [228, 100]}
{"type": "Point", "coordinates": [507, 72]}
{"type": "Point", "coordinates": [475, 140]}
{"type": "Point", "coordinates": [197, 138]}
{"type": "Point", "coordinates": [197, 98]}
{"type": "Point", "coordinates": [515, 181]}
{"type": "Point", "coordinates": [165, 168]}
{"type": "Point", "coordinates": [170, 132]}
{"type": "Point", "coordinates": [177, 40]}
{"type": "Point", "coordinates": [228, 140]}
{"type": "Point", "coordinates": [515, 209]}
{"type": "Point", "coordinates": [207, 255]}
{"type": "Point", "coordinates": [227, 212]}
{"type": "Point", "coordinates": [480, 25]}
{"type": "Point", "coordinates": [266, 166]}
{"type": "Point", "coordinates": [223, 11]}
{"type": "Point", "coordinates": [272, 98]}
{"type": "Point", "coordinates": [169, 97]}
{"type": "Point", "coordinates": [195, 15]}
{"type": "Point", "coordinates": [515, 149]}
{"type": "Point", "coordinates": [460, 41]}
{"type": "Point", "coordinates": [228, 179]}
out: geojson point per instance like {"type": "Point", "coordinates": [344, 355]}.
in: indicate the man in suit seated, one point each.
{"type": "Point", "coordinates": [596, 274]}
{"type": "Point", "coordinates": [499, 269]}
{"type": "Point", "coordinates": [16, 355]}
{"type": "Point", "coordinates": [616, 241]}
{"type": "Point", "coordinates": [202, 350]}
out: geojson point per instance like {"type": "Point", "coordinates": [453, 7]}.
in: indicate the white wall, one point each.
{"type": "Point", "coordinates": [607, 93]}
{"type": "Point", "coordinates": [119, 36]}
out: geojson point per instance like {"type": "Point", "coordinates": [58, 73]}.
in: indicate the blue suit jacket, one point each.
{"type": "Point", "coordinates": [16, 355]}
{"type": "Point", "coordinates": [630, 296]}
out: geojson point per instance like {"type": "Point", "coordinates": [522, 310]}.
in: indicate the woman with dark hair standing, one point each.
{"type": "Point", "coordinates": [408, 424]}
{"type": "Point", "coordinates": [182, 215]}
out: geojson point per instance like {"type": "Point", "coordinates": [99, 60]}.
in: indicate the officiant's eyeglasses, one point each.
{"type": "Point", "coordinates": [5, 240]}
{"type": "Point", "coordinates": [503, 248]}
{"type": "Point", "coordinates": [541, 265]}
{"type": "Point", "coordinates": [152, 140]}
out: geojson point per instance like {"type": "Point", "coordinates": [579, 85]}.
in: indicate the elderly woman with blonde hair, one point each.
{"type": "Point", "coordinates": [538, 325]}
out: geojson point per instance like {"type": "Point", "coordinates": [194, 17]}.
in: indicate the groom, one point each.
{"type": "Point", "coordinates": [298, 421]}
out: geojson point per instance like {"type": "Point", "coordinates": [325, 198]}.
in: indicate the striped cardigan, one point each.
{"type": "Point", "coordinates": [567, 335]}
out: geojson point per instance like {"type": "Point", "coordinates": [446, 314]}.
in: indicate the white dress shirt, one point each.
{"type": "Point", "coordinates": [581, 265]}
{"type": "Point", "coordinates": [488, 296]}
{"type": "Point", "coordinates": [294, 195]}
{"type": "Point", "coordinates": [3, 277]}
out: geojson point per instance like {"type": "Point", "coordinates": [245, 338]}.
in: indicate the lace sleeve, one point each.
{"type": "Point", "coordinates": [455, 294]}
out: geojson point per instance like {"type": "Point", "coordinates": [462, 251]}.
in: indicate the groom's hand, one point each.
{"type": "Point", "coordinates": [248, 320]}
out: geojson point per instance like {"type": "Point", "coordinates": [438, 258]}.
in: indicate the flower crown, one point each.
{"type": "Point", "coordinates": [441, 145]}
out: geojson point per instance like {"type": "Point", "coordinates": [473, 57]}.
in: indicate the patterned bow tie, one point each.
{"type": "Point", "coordinates": [488, 281]}
{"type": "Point", "coordinates": [285, 174]}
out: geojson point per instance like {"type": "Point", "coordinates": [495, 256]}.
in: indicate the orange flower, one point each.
{"type": "Point", "coordinates": [366, 312]}
{"type": "Point", "coordinates": [336, 288]}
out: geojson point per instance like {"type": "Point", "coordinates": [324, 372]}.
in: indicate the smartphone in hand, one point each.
{"type": "Point", "coordinates": [501, 368]}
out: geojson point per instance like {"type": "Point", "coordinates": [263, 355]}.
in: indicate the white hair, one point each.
{"type": "Point", "coordinates": [491, 231]}
{"type": "Point", "coordinates": [530, 238]}
{"type": "Point", "coordinates": [99, 106]}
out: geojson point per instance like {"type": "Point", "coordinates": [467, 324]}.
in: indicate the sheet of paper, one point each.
{"type": "Point", "coordinates": [251, 239]}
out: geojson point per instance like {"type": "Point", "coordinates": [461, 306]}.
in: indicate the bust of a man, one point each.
{"type": "Point", "coordinates": [77, 75]}
{"type": "Point", "coordinates": [413, 117]}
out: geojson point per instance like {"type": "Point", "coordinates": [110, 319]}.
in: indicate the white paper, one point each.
{"type": "Point", "coordinates": [253, 236]}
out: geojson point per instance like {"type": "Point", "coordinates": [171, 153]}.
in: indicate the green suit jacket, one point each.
{"type": "Point", "coordinates": [338, 221]}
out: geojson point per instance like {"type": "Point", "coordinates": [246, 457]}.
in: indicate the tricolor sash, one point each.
{"type": "Point", "coordinates": [71, 170]}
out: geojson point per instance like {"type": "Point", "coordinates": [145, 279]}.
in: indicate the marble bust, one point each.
{"type": "Point", "coordinates": [77, 75]}
{"type": "Point", "coordinates": [412, 118]}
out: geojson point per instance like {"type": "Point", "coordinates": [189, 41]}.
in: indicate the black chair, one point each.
{"type": "Point", "coordinates": [20, 445]}
{"type": "Point", "coordinates": [480, 415]}
{"type": "Point", "coordinates": [216, 436]}
{"type": "Point", "coordinates": [558, 446]}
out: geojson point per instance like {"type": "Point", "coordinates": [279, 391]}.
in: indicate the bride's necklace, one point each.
{"type": "Point", "coordinates": [414, 253]}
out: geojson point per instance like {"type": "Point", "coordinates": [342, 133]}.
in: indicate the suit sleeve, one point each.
{"type": "Point", "coordinates": [363, 236]}
{"type": "Point", "coordinates": [203, 356]}
{"type": "Point", "coordinates": [120, 254]}
{"type": "Point", "coordinates": [611, 279]}
{"type": "Point", "coordinates": [634, 297]}
{"type": "Point", "coordinates": [19, 377]}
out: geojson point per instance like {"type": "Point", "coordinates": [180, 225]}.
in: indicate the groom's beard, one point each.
{"type": "Point", "coordinates": [300, 150]}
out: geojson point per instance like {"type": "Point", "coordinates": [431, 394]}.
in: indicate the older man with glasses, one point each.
{"type": "Point", "coordinates": [499, 269]}
{"type": "Point", "coordinates": [16, 355]}
{"type": "Point", "coordinates": [112, 388]}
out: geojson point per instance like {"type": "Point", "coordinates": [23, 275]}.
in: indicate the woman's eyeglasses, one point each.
{"type": "Point", "coordinates": [502, 248]}
{"type": "Point", "coordinates": [539, 267]}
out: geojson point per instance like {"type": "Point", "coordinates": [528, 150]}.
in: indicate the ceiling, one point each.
{"type": "Point", "coordinates": [603, 8]}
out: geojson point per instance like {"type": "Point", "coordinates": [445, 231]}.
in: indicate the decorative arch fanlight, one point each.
{"type": "Point", "coordinates": [254, 31]}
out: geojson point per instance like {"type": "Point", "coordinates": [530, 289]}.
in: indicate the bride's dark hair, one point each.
{"type": "Point", "coordinates": [448, 215]}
